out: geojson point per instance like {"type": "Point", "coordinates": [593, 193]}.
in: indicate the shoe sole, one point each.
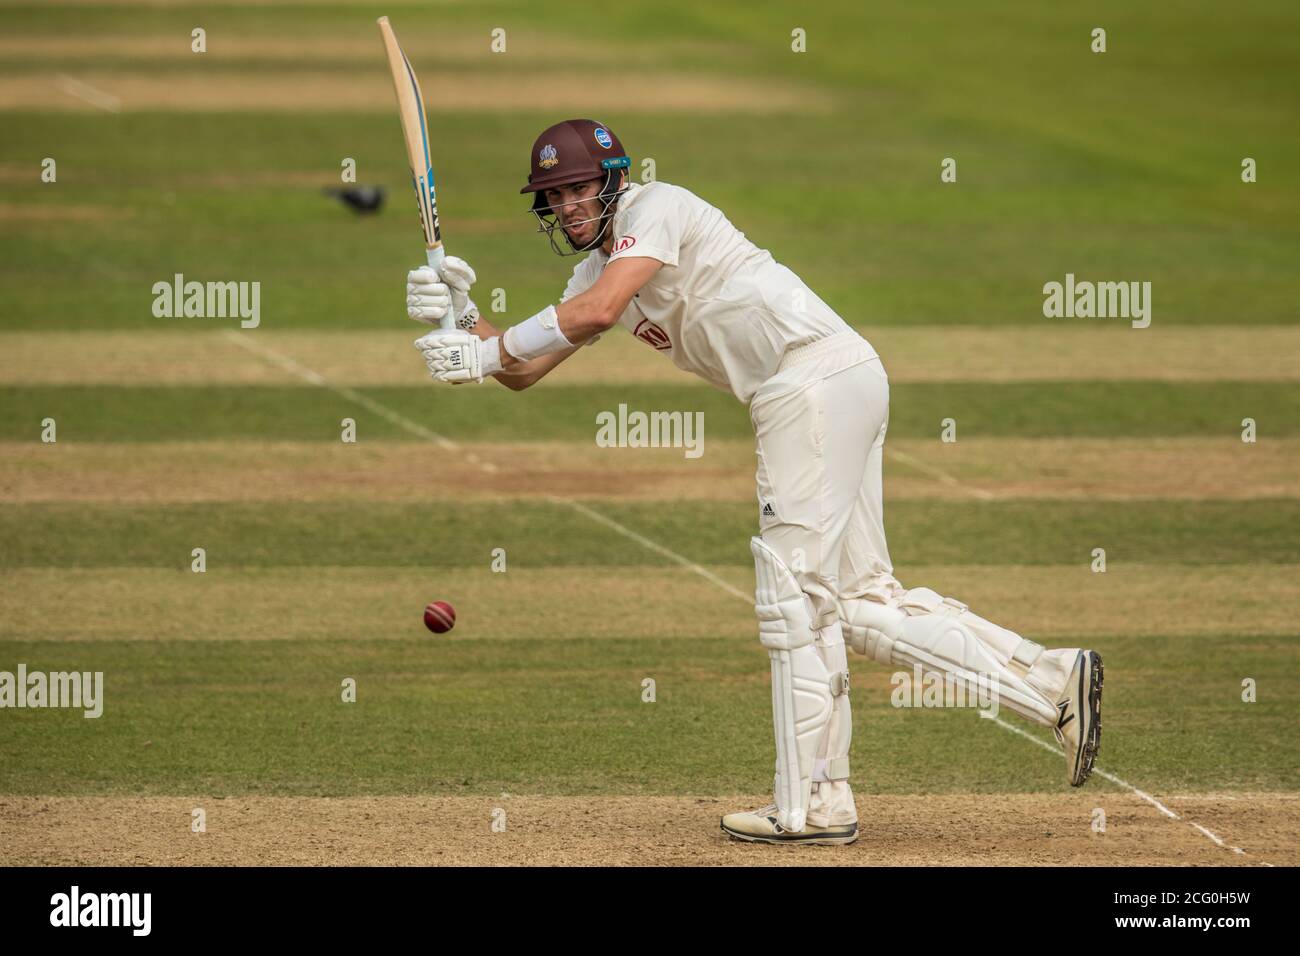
{"type": "Point", "coordinates": [795, 839]}
{"type": "Point", "coordinates": [1090, 682]}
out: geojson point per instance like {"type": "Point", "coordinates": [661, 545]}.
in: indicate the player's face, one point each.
{"type": "Point", "coordinates": [575, 203]}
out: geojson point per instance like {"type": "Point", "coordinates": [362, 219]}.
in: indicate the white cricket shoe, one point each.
{"type": "Point", "coordinates": [760, 826]}
{"type": "Point", "coordinates": [1078, 722]}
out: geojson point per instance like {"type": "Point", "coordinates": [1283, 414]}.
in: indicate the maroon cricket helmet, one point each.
{"type": "Point", "coordinates": [572, 152]}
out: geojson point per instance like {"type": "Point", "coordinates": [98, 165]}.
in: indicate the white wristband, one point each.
{"type": "Point", "coordinates": [535, 336]}
{"type": "Point", "coordinates": [489, 356]}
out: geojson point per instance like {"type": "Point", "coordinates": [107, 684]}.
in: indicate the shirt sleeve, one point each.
{"type": "Point", "coordinates": [583, 278]}
{"type": "Point", "coordinates": [579, 282]}
{"type": "Point", "coordinates": [652, 227]}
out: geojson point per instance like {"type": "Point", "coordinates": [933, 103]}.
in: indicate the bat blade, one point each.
{"type": "Point", "coordinates": [415, 131]}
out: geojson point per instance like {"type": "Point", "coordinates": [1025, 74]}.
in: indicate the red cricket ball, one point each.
{"type": "Point", "coordinates": [439, 617]}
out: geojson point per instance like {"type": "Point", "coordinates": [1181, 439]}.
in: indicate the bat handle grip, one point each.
{"type": "Point", "coordinates": [436, 256]}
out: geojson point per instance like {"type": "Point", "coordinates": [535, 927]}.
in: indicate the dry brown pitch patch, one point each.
{"type": "Point", "coordinates": [377, 604]}
{"type": "Point", "coordinates": [363, 605]}
{"type": "Point", "coordinates": [370, 90]}
{"type": "Point", "coordinates": [177, 472]}
{"type": "Point", "coordinates": [197, 354]}
{"type": "Point", "coordinates": [1096, 469]}
{"type": "Point", "coordinates": [1003, 469]}
{"type": "Point", "coordinates": [436, 48]}
{"type": "Point", "coordinates": [1009, 829]}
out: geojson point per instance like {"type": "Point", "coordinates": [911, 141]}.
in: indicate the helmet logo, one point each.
{"type": "Point", "coordinates": [602, 137]}
{"type": "Point", "coordinates": [547, 157]}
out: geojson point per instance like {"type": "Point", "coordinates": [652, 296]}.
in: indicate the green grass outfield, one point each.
{"type": "Point", "coordinates": [543, 534]}
{"type": "Point", "coordinates": [529, 715]}
{"type": "Point", "coordinates": [1030, 410]}
{"type": "Point", "coordinates": [1122, 166]}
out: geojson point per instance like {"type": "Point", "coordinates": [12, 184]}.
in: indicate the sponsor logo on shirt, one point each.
{"type": "Point", "coordinates": [650, 333]}
{"type": "Point", "coordinates": [602, 137]}
{"type": "Point", "coordinates": [627, 242]}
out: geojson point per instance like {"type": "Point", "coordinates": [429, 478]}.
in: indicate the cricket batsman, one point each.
{"type": "Point", "coordinates": [679, 276]}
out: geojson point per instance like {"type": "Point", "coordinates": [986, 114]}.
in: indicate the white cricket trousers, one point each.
{"type": "Point", "coordinates": [820, 426]}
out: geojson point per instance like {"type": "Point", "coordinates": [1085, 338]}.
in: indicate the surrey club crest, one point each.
{"type": "Point", "coordinates": [652, 335]}
{"type": "Point", "coordinates": [547, 157]}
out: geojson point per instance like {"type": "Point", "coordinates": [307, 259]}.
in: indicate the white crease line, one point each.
{"type": "Point", "coordinates": [1125, 785]}
{"type": "Point", "coordinates": [937, 473]}
{"type": "Point", "coordinates": [246, 340]}
{"type": "Point", "coordinates": [948, 479]}
{"type": "Point", "coordinates": [316, 379]}
{"type": "Point", "coordinates": [88, 94]}
{"type": "Point", "coordinates": [1215, 837]}
{"type": "Point", "coordinates": [655, 547]}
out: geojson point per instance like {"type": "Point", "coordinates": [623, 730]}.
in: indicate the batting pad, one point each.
{"type": "Point", "coordinates": [940, 635]}
{"type": "Point", "coordinates": [802, 695]}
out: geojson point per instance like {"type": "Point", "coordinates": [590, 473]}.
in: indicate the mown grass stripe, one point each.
{"type": "Point", "coordinates": [230, 470]}
{"type": "Point", "coordinates": [918, 354]}
{"type": "Point", "coordinates": [493, 413]}
{"type": "Point", "coordinates": [542, 534]}
{"type": "Point", "coordinates": [1044, 203]}
{"type": "Point", "coordinates": [368, 604]}
{"type": "Point", "coordinates": [559, 716]}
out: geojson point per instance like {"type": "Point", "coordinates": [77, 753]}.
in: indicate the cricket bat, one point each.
{"type": "Point", "coordinates": [415, 130]}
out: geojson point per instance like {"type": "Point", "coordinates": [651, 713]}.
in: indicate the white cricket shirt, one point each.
{"type": "Point", "coordinates": [720, 307]}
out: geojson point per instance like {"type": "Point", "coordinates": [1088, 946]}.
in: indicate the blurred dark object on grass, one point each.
{"type": "Point", "coordinates": [360, 199]}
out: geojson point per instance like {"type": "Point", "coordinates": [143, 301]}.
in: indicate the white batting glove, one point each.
{"type": "Point", "coordinates": [429, 296]}
{"type": "Point", "coordinates": [456, 356]}
{"type": "Point", "coordinates": [457, 275]}
{"type": "Point", "coordinates": [428, 299]}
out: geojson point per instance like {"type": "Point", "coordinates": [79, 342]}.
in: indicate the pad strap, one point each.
{"type": "Point", "coordinates": [1024, 657]}
{"type": "Point", "coordinates": [836, 769]}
